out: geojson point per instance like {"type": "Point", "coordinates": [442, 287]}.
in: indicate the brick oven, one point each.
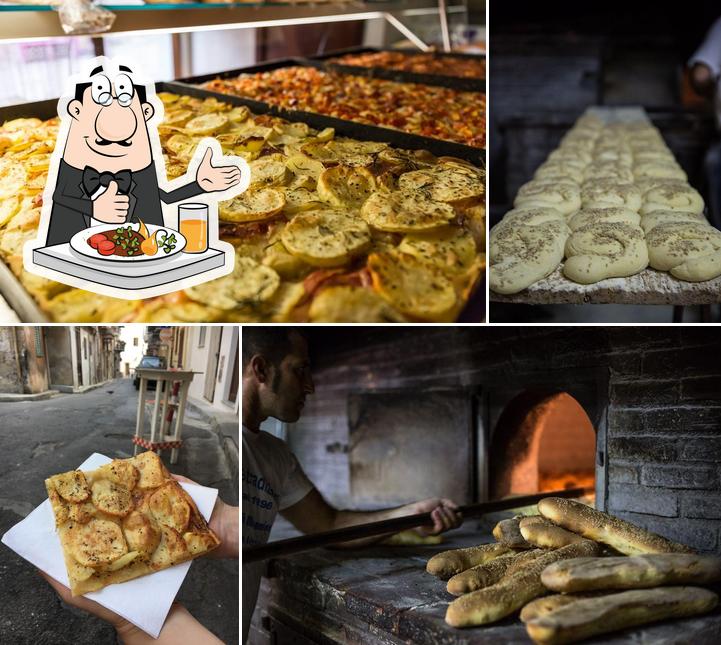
{"type": "Point", "coordinates": [476, 414]}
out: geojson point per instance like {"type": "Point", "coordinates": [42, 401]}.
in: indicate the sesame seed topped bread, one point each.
{"type": "Point", "coordinates": [449, 563]}
{"type": "Point", "coordinates": [587, 617]}
{"type": "Point", "coordinates": [484, 575]}
{"type": "Point", "coordinates": [538, 531]}
{"type": "Point", "coordinates": [507, 532]}
{"type": "Point", "coordinates": [631, 572]}
{"type": "Point", "coordinates": [513, 591]}
{"type": "Point", "coordinates": [623, 536]}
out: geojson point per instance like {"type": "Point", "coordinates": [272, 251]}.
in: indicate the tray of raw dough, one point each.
{"type": "Point", "coordinates": [650, 287]}
{"type": "Point", "coordinates": [608, 218]}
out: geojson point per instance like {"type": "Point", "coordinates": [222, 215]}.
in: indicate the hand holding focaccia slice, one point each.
{"type": "Point", "coordinates": [124, 520]}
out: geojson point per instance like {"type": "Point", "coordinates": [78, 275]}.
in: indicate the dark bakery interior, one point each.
{"type": "Point", "coordinates": [551, 61]}
{"type": "Point", "coordinates": [630, 413]}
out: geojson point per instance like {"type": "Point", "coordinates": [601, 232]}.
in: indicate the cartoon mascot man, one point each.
{"type": "Point", "coordinates": [107, 174]}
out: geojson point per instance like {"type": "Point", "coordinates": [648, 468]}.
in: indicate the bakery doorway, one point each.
{"type": "Point", "coordinates": [543, 441]}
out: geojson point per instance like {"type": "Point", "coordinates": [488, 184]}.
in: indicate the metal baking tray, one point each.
{"type": "Point", "coordinates": [27, 308]}
{"type": "Point", "coordinates": [455, 82]}
{"type": "Point", "coordinates": [11, 289]}
{"type": "Point", "coordinates": [370, 132]}
{"type": "Point", "coordinates": [344, 127]}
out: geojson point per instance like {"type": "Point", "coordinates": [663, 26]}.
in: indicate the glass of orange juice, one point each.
{"type": "Point", "coordinates": [193, 220]}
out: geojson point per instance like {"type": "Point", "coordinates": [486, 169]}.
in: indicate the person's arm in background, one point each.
{"type": "Point", "coordinates": [313, 514]}
{"type": "Point", "coordinates": [705, 64]}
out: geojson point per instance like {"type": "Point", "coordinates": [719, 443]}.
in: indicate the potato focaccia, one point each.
{"type": "Point", "coordinates": [319, 206]}
{"type": "Point", "coordinates": [124, 520]}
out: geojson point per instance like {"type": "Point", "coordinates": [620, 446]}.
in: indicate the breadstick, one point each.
{"type": "Point", "coordinates": [593, 616]}
{"type": "Point", "coordinates": [548, 604]}
{"type": "Point", "coordinates": [623, 536]}
{"type": "Point", "coordinates": [448, 563]}
{"type": "Point", "coordinates": [513, 591]}
{"type": "Point", "coordinates": [507, 532]}
{"type": "Point", "coordinates": [483, 575]}
{"type": "Point", "coordinates": [541, 532]}
{"type": "Point", "coordinates": [636, 572]}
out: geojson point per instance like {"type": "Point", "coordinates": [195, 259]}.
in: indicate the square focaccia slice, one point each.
{"type": "Point", "coordinates": [124, 520]}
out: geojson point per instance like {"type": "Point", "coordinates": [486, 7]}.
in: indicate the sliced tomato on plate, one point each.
{"type": "Point", "coordinates": [94, 240]}
{"type": "Point", "coordinates": [106, 248]}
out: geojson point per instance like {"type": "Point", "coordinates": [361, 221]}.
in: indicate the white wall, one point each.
{"type": "Point", "coordinates": [132, 353]}
{"type": "Point", "coordinates": [197, 361]}
{"type": "Point", "coordinates": [228, 345]}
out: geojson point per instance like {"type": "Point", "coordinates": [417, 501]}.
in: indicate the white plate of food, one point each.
{"type": "Point", "coordinates": [136, 242]}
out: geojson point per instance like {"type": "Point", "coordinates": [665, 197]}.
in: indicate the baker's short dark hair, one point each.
{"type": "Point", "coordinates": [273, 343]}
{"type": "Point", "coordinates": [81, 87]}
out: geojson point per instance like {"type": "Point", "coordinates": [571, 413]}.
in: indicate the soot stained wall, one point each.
{"type": "Point", "coordinates": [663, 416]}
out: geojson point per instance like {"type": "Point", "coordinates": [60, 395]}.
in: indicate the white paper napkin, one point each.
{"type": "Point", "coordinates": [145, 601]}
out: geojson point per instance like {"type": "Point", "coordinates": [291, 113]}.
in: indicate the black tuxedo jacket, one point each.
{"type": "Point", "coordinates": [73, 208]}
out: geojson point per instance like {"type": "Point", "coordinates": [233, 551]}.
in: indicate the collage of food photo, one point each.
{"type": "Point", "coordinates": [448, 271]}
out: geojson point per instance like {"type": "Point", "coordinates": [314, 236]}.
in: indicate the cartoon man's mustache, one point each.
{"type": "Point", "coordinates": [104, 142]}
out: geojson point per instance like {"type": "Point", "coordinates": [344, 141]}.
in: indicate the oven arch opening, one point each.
{"type": "Point", "coordinates": [544, 440]}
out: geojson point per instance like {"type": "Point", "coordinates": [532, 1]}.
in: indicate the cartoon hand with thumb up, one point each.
{"type": "Point", "coordinates": [111, 207]}
{"type": "Point", "coordinates": [213, 178]}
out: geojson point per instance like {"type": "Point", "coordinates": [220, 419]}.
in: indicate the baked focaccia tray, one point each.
{"type": "Point", "coordinates": [380, 269]}
{"type": "Point", "coordinates": [456, 70]}
{"type": "Point", "coordinates": [126, 519]}
{"type": "Point", "coordinates": [427, 110]}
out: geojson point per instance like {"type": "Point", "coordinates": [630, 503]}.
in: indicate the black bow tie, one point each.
{"type": "Point", "coordinates": [92, 180]}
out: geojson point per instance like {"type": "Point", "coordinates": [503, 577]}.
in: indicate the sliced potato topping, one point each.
{"type": "Point", "coordinates": [77, 571]}
{"type": "Point", "coordinates": [268, 171]}
{"type": "Point", "coordinates": [325, 237]}
{"type": "Point", "coordinates": [122, 561]}
{"type": "Point", "coordinates": [169, 507]}
{"type": "Point", "coordinates": [250, 283]}
{"type": "Point", "coordinates": [141, 533]}
{"type": "Point", "coordinates": [338, 304]}
{"type": "Point", "coordinates": [412, 286]}
{"type": "Point", "coordinates": [97, 543]}
{"type": "Point", "coordinates": [401, 212]}
{"type": "Point", "coordinates": [254, 205]}
{"type": "Point", "coordinates": [300, 164]}
{"type": "Point", "coordinates": [345, 187]}
{"type": "Point", "coordinates": [152, 471]}
{"type": "Point", "coordinates": [59, 505]}
{"type": "Point", "coordinates": [119, 471]}
{"type": "Point", "coordinates": [112, 498]}
{"type": "Point", "coordinates": [206, 124]}
{"type": "Point", "coordinates": [450, 249]}
{"type": "Point", "coordinates": [82, 513]}
{"type": "Point", "coordinates": [72, 486]}
{"type": "Point", "coordinates": [199, 542]}
{"type": "Point", "coordinates": [171, 550]}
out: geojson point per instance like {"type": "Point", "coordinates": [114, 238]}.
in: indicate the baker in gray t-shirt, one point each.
{"type": "Point", "coordinates": [276, 381]}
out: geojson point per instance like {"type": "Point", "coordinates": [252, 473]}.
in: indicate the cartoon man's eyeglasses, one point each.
{"type": "Point", "coordinates": [102, 90]}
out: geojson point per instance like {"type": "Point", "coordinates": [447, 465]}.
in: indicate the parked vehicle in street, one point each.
{"type": "Point", "coordinates": [149, 362]}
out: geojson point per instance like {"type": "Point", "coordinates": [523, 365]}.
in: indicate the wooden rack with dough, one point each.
{"type": "Point", "coordinates": [609, 218]}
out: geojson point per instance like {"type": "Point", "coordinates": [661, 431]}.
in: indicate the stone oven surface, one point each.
{"type": "Point", "coordinates": [384, 596]}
